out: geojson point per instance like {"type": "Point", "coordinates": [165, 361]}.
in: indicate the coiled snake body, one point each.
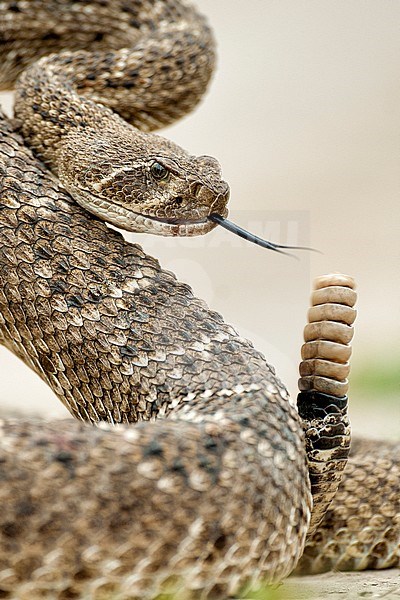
{"type": "Point", "coordinates": [222, 493]}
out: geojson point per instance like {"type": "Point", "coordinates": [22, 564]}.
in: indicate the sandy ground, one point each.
{"type": "Point", "coordinates": [342, 586]}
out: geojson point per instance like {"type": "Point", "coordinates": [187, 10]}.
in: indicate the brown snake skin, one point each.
{"type": "Point", "coordinates": [209, 501]}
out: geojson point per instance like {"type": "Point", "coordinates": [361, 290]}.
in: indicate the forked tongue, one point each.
{"type": "Point", "coordinates": [250, 237]}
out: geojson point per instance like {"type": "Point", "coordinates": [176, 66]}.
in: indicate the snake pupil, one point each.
{"type": "Point", "coordinates": [159, 171]}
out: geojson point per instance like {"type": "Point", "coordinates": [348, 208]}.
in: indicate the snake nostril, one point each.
{"type": "Point", "coordinates": [196, 189]}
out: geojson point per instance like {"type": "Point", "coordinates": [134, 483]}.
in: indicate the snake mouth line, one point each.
{"type": "Point", "coordinates": [127, 219]}
{"type": "Point", "coordinates": [174, 220]}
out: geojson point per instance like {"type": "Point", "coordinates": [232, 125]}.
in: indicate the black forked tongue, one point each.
{"type": "Point", "coordinates": [250, 237]}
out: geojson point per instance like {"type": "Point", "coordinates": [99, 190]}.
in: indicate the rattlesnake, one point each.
{"type": "Point", "coordinates": [217, 496]}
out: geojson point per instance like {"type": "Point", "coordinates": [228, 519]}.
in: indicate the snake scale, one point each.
{"type": "Point", "coordinates": [222, 483]}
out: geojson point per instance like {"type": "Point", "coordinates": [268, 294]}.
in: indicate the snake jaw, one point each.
{"type": "Point", "coordinates": [136, 222]}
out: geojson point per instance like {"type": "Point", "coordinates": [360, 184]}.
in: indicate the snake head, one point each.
{"type": "Point", "coordinates": [143, 182]}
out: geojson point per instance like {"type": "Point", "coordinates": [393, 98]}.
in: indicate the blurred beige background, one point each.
{"type": "Point", "coordinates": [303, 114]}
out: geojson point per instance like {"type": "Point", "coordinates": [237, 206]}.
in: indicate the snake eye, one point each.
{"type": "Point", "coordinates": [159, 171]}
